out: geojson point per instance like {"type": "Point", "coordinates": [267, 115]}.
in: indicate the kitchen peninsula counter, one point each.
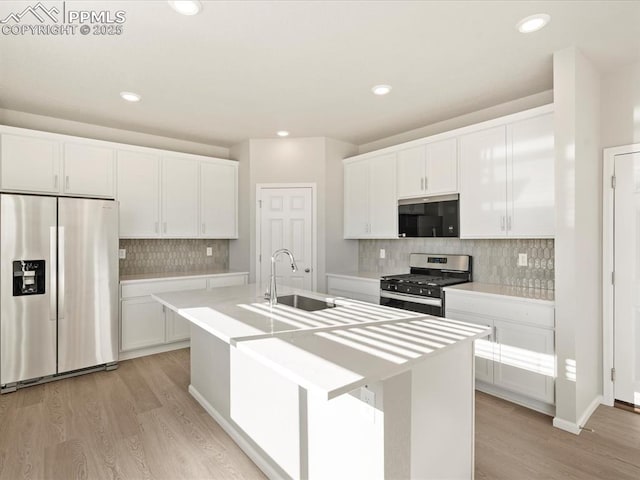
{"type": "Point", "coordinates": [357, 391]}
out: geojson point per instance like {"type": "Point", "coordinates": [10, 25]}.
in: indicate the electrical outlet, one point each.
{"type": "Point", "coordinates": [368, 399]}
{"type": "Point", "coordinates": [522, 260]}
{"type": "Point", "coordinates": [209, 251]}
{"type": "Point", "coordinates": [383, 253]}
{"type": "Point", "coordinates": [122, 253]}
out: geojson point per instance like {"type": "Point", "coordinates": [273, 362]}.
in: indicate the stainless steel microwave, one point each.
{"type": "Point", "coordinates": [429, 217]}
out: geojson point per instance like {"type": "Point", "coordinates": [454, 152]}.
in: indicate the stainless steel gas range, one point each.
{"type": "Point", "coordinates": [420, 290]}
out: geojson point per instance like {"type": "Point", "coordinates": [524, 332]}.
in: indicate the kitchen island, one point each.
{"type": "Point", "coordinates": [353, 390]}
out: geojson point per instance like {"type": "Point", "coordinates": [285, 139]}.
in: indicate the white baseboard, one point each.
{"type": "Point", "coordinates": [143, 352]}
{"type": "Point", "coordinates": [576, 428]}
{"type": "Point", "coordinates": [257, 458]}
{"type": "Point", "coordinates": [522, 400]}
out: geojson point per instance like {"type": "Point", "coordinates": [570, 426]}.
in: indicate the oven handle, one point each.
{"type": "Point", "coordinates": [411, 298]}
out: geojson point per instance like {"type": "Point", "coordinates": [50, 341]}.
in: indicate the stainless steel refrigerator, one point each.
{"type": "Point", "coordinates": [58, 287]}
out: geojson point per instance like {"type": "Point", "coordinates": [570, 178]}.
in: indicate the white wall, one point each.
{"type": "Point", "coordinates": [621, 106]}
{"type": "Point", "coordinates": [578, 236]}
{"type": "Point", "coordinates": [67, 127]}
{"type": "Point", "coordinates": [515, 106]}
{"type": "Point", "coordinates": [239, 256]}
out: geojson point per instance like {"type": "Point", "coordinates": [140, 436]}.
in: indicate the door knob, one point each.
{"type": "Point", "coordinates": [307, 270]}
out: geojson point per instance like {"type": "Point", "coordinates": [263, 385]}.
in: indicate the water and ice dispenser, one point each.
{"type": "Point", "coordinates": [28, 277]}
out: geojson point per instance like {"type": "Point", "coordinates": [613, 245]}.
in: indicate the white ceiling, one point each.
{"type": "Point", "coordinates": [243, 70]}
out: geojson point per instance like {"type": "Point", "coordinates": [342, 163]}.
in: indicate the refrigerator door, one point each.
{"type": "Point", "coordinates": [87, 283]}
{"type": "Point", "coordinates": [27, 287]}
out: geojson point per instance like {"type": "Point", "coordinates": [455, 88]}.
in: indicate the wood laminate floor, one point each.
{"type": "Point", "coordinates": [139, 422]}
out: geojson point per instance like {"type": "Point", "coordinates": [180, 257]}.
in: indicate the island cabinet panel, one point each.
{"type": "Point", "coordinates": [29, 163]}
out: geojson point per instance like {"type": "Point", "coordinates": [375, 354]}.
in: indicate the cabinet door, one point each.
{"type": "Point", "coordinates": [179, 197]}
{"type": "Point", "coordinates": [483, 189]}
{"type": "Point", "coordinates": [442, 167]}
{"type": "Point", "coordinates": [383, 201]}
{"type": "Point", "coordinates": [178, 328]}
{"type": "Point", "coordinates": [138, 183]}
{"type": "Point", "coordinates": [531, 163]}
{"type": "Point", "coordinates": [29, 164]}
{"type": "Point", "coordinates": [356, 199]}
{"type": "Point", "coordinates": [218, 200]}
{"type": "Point", "coordinates": [524, 360]}
{"type": "Point", "coordinates": [411, 172]}
{"type": "Point", "coordinates": [143, 323]}
{"type": "Point", "coordinates": [88, 170]}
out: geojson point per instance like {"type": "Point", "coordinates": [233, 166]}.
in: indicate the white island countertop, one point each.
{"type": "Point", "coordinates": [330, 351]}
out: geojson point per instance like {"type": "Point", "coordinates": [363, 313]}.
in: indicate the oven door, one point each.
{"type": "Point", "coordinates": [428, 305]}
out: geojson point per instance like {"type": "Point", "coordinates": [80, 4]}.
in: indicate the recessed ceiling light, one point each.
{"type": "Point", "coordinates": [283, 133]}
{"type": "Point", "coordinates": [130, 96]}
{"type": "Point", "coordinates": [381, 89]}
{"type": "Point", "coordinates": [533, 23]}
{"type": "Point", "coordinates": [186, 7]}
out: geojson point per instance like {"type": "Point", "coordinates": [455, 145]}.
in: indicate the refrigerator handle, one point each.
{"type": "Point", "coordinates": [53, 281]}
{"type": "Point", "coordinates": [61, 273]}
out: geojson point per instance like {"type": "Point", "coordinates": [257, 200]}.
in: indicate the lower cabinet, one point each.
{"type": "Point", "coordinates": [358, 288]}
{"type": "Point", "coordinates": [517, 361]}
{"type": "Point", "coordinates": [148, 327]}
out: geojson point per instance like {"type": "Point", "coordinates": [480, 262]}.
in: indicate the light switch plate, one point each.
{"type": "Point", "coordinates": [522, 260]}
{"type": "Point", "coordinates": [209, 251]}
{"type": "Point", "coordinates": [383, 253]}
{"type": "Point", "coordinates": [122, 253]}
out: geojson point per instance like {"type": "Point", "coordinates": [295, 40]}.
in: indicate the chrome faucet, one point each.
{"type": "Point", "coordinates": [272, 293]}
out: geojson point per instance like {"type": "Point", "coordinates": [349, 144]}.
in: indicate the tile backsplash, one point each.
{"type": "Point", "coordinates": [173, 256]}
{"type": "Point", "coordinates": [494, 261]}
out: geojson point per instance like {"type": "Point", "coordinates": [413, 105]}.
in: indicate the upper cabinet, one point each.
{"type": "Point", "coordinates": [139, 194]}
{"type": "Point", "coordinates": [29, 163]}
{"type": "Point", "coordinates": [218, 199]}
{"type": "Point", "coordinates": [430, 169]}
{"type": "Point", "coordinates": [507, 180]}
{"type": "Point", "coordinates": [370, 198]}
{"type": "Point", "coordinates": [179, 197]}
{"type": "Point", "coordinates": [88, 170]}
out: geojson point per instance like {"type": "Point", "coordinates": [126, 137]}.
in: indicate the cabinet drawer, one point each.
{"type": "Point", "coordinates": [226, 281]}
{"type": "Point", "coordinates": [141, 289]}
{"type": "Point", "coordinates": [513, 310]}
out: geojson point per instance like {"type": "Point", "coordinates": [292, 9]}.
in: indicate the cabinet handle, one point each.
{"type": "Point", "coordinates": [55, 181]}
{"type": "Point", "coordinates": [157, 228]}
{"type": "Point", "coordinates": [164, 227]}
{"type": "Point", "coordinates": [502, 223]}
{"type": "Point", "coordinates": [426, 183]}
{"type": "Point", "coordinates": [66, 182]}
{"type": "Point", "coordinates": [422, 183]}
{"type": "Point", "coordinates": [509, 222]}
{"type": "Point", "coordinates": [204, 228]}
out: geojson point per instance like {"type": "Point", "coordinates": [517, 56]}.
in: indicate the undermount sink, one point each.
{"type": "Point", "coordinates": [305, 303]}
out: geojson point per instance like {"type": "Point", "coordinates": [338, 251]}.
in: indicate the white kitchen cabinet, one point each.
{"type": "Point", "coordinates": [138, 183]}
{"type": "Point", "coordinates": [507, 180]}
{"type": "Point", "coordinates": [179, 197]}
{"type": "Point", "coordinates": [29, 163]}
{"type": "Point", "coordinates": [371, 209]}
{"type": "Point", "coordinates": [146, 327]}
{"type": "Point", "coordinates": [430, 169]}
{"type": "Point", "coordinates": [218, 199]}
{"type": "Point", "coordinates": [350, 286]}
{"type": "Point", "coordinates": [517, 361]}
{"type": "Point", "coordinates": [88, 170]}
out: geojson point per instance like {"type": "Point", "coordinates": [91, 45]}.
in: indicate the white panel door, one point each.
{"type": "Point", "coordinates": [179, 197]}
{"type": "Point", "coordinates": [218, 200]}
{"type": "Point", "coordinates": [483, 189]}
{"type": "Point", "coordinates": [383, 200]}
{"type": "Point", "coordinates": [411, 172]}
{"type": "Point", "coordinates": [524, 360]}
{"type": "Point", "coordinates": [286, 221]}
{"type": "Point", "coordinates": [138, 182]}
{"type": "Point", "coordinates": [143, 323]}
{"type": "Point", "coordinates": [30, 164]}
{"type": "Point", "coordinates": [530, 161]}
{"type": "Point", "coordinates": [88, 170]}
{"type": "Point", "coordinates": [356, 199]}
{"type": "Point", "coordinates": [627, 274]}
{"type": "Point", "coordinates": [442, 167]}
